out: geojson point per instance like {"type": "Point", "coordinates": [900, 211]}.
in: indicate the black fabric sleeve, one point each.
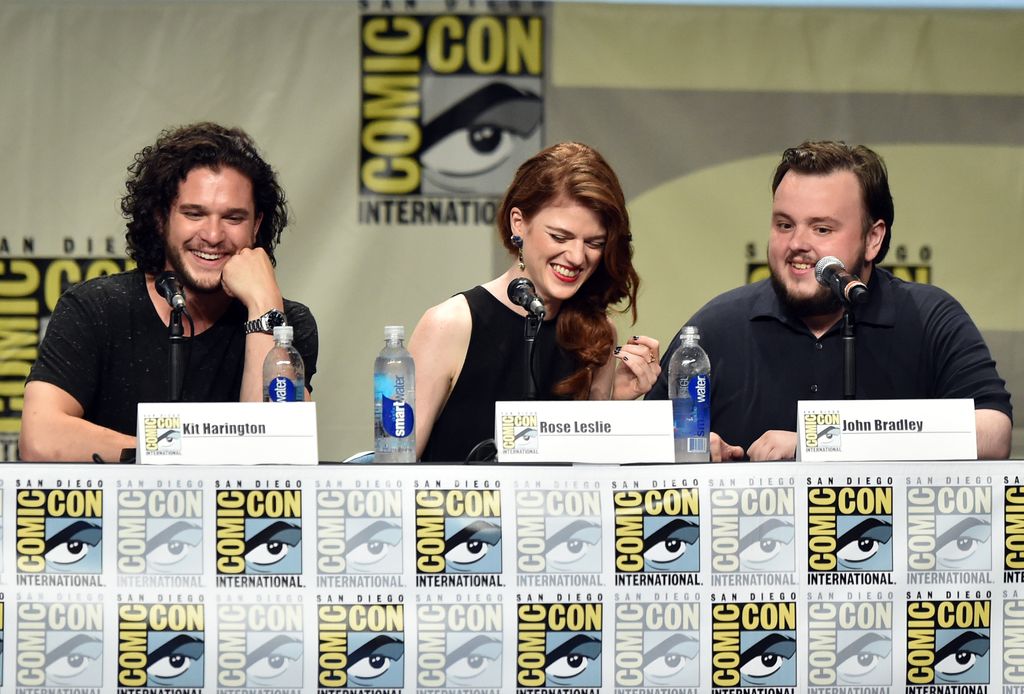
{"type": "Point", "coordinates": [70, 352]}
{"type": "Point", "coordinates": [963, 365]}
{"type": "Point", "coordinates": [305, 336]}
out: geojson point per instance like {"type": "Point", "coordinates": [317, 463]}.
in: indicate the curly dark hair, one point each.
{"type": "Point", "coordinates": [579, 173]}
{"type": "Point", "coordinates": [158, 170]}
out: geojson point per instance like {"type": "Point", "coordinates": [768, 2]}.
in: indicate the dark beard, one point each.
{"type": "Point", "coordinates": [821, 304]}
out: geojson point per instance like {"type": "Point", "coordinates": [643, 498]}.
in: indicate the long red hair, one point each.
{"type": "Point", "coordinates": [577, 172]}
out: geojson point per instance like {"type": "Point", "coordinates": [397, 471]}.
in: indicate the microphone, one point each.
{"type": "Point", "coordinates": [521, 293]}
{"type": "Point", "coordinates": [167, 284]}
{"type": "Point", "coordinates": [830, 272]}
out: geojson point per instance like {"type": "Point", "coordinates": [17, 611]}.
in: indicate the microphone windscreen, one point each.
{"type": "Point", "coordinates": [825, 263]}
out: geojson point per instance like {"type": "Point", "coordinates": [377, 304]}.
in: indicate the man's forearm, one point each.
{"type": "Point", "coordinates": [65, 438]}
{"type": "Point", "coordinates": [994, 430]}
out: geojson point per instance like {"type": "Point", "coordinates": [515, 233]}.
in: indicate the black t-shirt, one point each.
{"type": "Point", "coordinates": [493, 371]}
{"type": "Point", "coordinates": [912, 341]}
{"type": "Point", "coordinates": [106, 346]}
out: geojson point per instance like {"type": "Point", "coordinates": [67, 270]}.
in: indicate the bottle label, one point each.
{"type": "Point", "coordinates": [691, 417]}
{"type": "Point", "coordinates": [281, 389]}
{"type": "Point", "coordinates": [396, 417]}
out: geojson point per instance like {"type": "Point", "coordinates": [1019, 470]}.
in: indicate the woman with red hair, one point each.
{"type": "Point", "coordinates": [564, 221]}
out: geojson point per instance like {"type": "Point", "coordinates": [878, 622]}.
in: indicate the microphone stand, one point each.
{"type": "Point", "coordinates": [530, 329]}
{"type": "Point", "coordinates": [849, 356]}
{"type": "Point", "coordinates": [176, 337]}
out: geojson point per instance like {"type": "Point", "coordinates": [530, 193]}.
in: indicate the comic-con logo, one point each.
{"type": "Point", "coordinates": [1013, 638]}
{"type": "Point", "coordinates": [60, 645]}
{"type": "Point", "coordinates": [160, 645]}
{"type": "Point", "coordinates": [1, 639]}
{"type": "Point", "coordinates": [162, 435]}
{"type": "Point", "coordinates": [1013, 540]}
{"type": "Point", "coordinates": [359, 531]}
{"type": "Point", "coordinates": [259, 532]}
{"type": "Point", "coordinates": [849, 643]}
{"type": "Point", "coordinates": [752, 530]}
{"type": "Point", "coordinates": [160, 531]}
{"type": "Point", "coordinates": [459, 646]}
{"type": "Point", "coordinates": [558, 645]}
{"type": "Point", "coordinates": [361, 646]}
{"type": "Point", "coordinates": [458, 531]}
{"type": "Point", "coordinates": [657, 645]}
{"type": "Point", "coordinates": [823, 431]}
{"type": "Point", "coordinates": [849, 529]}
{"type": "Point", "coordinates": [949, 528]}
{"type": "Point", "coordinates": [451, 104]}
{"type": "Point", "coordinates": [948, 642]}
{"type": "Point", "coordinates": [559, 531]}
{"type": "Point", "coordinates": [656, 531]}
{"type": "Point", "coordinates": [519, 433]}
{"type": "Point", "coordinates": [259, 646]}
{"type": "Point", "coordinates": [59, 531]}
{"type": "Point", "coordinates": [753, 644]}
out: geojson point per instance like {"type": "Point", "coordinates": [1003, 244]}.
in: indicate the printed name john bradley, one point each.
{"type": "Point", "coordinates": [259, 532]}
{"type": "Point", "coordinates": [457, 532]}
{"type": "Point", "coordinates": [160, 645]}
{"type": "Point", "coordinates": [657, 531]}
{"type": "Point", "coordinates": [59, 531]}
{"type": "Point", "coordinates": [559, 646]}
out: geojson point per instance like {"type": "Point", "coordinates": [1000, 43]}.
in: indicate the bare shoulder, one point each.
{"type": "Point", "coordinates": [447, 323]}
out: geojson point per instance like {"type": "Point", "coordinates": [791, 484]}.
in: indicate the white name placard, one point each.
{"type": "Point", "coordinates": [587, 431]}
{"type": "Point", "coordinates": [227, 433]}
{"type": "Point", "coordinates": [852, 430]}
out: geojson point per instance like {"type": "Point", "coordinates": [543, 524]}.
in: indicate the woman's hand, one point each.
{"type": "Point", "coordinates": [638, 367]}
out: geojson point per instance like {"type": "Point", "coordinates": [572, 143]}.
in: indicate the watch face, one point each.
{"type": "Point", "coordinates": [275, 318]}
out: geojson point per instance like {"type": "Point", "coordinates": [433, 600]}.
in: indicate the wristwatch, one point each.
{"type": "Point", "coordinates": [266, 323]}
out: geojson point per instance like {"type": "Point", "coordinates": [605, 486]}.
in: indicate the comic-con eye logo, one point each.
{"type": "Point", "coordinates": [451, 104]}
{"type": "Point", "coordinates": [160, 531]}
{"type": "Point", "coordinates": [948, 642]}
{"type": "Point", "coordinates": [259, 646]}
{"type": "Point", "coordinates": [1013, 639]}
{"type": "Point", "coordinates": [559, 645]}
{"type": "Point", "coordinates": [1013, 524]}
{"type": "Point", "coordinates": [753, 644]}
{"type": "Point", "coordinates": [752, 530]}
{"type": "Point", "coordinates": [359, 531]}
{"type": "Point", "coordinates": [162, 435]}
{"type": "Point", "coordinates": [1, 641]}
{"type": "Point", "coordinates": [559, 531]}
{"type": "Point", "coordinates": [458, 531]}
{"type": "Point", "coordinates": [459, 646]}
{"type": "Point", "coordinates": [823, 431]}
{"type": "Point", "coordinates": [59, 530]}
{"type": "Point", "coordinates": [657, 530]}
{"type": "Point", "coordinates": [259, 532]}
{"type": "Point", "coordinates": [60, 645]}
{"type": "Point", "coordinates": [850, 643]}
{"type": "Point", "coordinates": [361, 646]}
{"type": "Point", "coordinates": [519, 433]}
{"type": "Point", "coordinates": [849, 528]}
{"type": "Point", "coordinates": [160, 645]}
{"type": "Point", "coordinates": [657, 645]}
{"type": "Point", "coordinates": [949, 528]}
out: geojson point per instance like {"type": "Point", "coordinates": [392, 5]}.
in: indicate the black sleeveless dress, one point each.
{"type": "Point", "coordinates": [493, 371]}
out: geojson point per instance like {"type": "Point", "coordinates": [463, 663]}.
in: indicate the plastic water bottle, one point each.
{"type": "Point", "coordinates": [394, 398]}
{"type": "Point", "coordinates": [284, 374]}
{"type": "Point", "coordinates": [689, 387]}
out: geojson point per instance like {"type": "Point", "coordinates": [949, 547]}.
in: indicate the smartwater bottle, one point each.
{"type": "Point", "coordinates": [689, 388]}
{"type": "Point", "coordinates": [284, 374]}
{"type": "Point", "coordinates": [394, 398]}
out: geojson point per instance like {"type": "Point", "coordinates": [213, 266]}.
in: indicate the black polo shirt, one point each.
{"type": "Point", "coordinates": [912, 341]}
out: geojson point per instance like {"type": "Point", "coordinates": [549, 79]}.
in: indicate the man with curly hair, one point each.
{"type": "Point", "coordinates": [201, 203]}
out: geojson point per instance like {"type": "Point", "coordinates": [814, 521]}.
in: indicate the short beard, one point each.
{"type": "Point", "coordinates": [823, 303]}
{"type": "Point", "coordinates": [184, 276]}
